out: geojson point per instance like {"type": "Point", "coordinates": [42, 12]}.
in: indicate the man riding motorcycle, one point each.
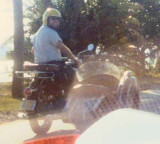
{"type": "Point", "coordinates": [48, 47]}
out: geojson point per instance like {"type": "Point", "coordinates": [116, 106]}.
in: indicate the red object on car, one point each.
{"type": "Point", "coordinates": [67, 139]}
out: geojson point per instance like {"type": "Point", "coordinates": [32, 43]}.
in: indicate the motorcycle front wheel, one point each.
{"type": "Point", "coordinates": [130, 99]}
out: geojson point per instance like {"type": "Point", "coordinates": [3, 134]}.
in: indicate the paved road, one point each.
{"type": "Point", "coordinates": [19, 131]}
{"type": "Point", "coordinates": [150, 101]}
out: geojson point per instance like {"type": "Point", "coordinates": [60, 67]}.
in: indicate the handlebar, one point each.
{"type": "Point", "coordinates": [84, 54]}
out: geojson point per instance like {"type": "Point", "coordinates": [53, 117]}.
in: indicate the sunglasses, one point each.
{"type": "Point", "coordinates": [55, 18]}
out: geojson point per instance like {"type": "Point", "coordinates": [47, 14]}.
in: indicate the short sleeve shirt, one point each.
{"type": "Point", "coordinates": [44, 43]}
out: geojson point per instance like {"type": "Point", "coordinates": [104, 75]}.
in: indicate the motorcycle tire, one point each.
{"type": "Point", "coordinates": [131, 98]}
{"type": "Point", "coordinates": [135, 99]}
{"type": "Point", "coordinates": [40, 128]}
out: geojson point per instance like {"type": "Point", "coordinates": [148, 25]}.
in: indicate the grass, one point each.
{"type": "Point", "coordinates": [7, 103]}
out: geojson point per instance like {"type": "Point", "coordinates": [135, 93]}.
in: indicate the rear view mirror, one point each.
{"type": "Point", "coordinates": [90, 47]}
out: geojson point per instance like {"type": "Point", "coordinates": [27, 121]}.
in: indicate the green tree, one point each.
{"type": "Point", "coordinates": [149, 19]}
{"type": "Point", "coordinates": [100, 22]}
{"type": "Point", "coordinates": [123, 28]}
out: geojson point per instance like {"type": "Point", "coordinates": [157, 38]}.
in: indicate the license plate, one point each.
{"type": "Point", "coordinates": [28, 105]}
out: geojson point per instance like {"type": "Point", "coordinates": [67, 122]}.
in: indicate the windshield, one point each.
{"type": "Point", "coordinates": [96, 68]}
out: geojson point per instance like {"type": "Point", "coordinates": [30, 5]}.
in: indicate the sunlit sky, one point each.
{"type": "Point", "coordinates": [6, 22]}
{"type": "Point", "coordinates": [7, 19]}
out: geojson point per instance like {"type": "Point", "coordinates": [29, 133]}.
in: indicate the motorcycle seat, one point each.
{"type": "Point", "coordinates": [41, 67]}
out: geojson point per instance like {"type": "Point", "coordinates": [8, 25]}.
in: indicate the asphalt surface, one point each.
{"type": "Point", "coordinates": [150, 101]}
{"type": "Point", "coordinates": [19, 131]}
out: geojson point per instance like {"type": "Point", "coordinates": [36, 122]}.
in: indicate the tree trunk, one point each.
{"type": "Point", "coordinates": [78, 4]}
{"type": "Point", "coordinates": [17, 84]}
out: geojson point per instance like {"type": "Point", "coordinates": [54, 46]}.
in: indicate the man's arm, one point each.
{"type": "Point", "coordinates": [64, 49]}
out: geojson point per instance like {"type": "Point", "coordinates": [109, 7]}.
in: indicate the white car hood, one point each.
{"type": "Point", "coordinates": [124, 126]}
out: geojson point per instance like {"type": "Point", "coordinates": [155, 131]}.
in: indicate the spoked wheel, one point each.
{"type": "Point", "coordinates": [41, 126]}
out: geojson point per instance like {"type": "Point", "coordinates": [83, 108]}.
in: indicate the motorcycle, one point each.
{"type": "Point", "coordinates": [40, 97]}
{"type": "Point", "coordinates": [93, 94]}
{"type": "Point", "coordinates": [102, 88]}
{"type": "Point", "coordinates": [45, 94]}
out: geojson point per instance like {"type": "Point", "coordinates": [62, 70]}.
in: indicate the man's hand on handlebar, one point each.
{"type": "Point", "coordinates": [77, 61]}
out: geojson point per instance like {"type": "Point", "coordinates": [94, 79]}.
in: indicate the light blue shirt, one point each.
{"type": "Point", "coordinates": [44, 43]}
